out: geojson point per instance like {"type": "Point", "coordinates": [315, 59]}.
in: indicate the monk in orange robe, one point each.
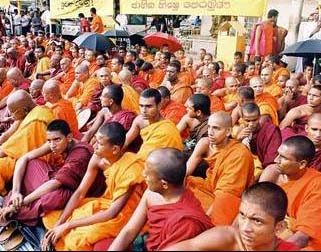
{"type": "Point", "coordinates": [61, 108]}
{"type": "Point", "coordinates": [278, 70]}
{"type": "Point", "coordinates": [153, 129]}
{"type": "Point", "coordinates": [170, 109]}
{"type": "Point", "coordinates": [145, 55]}
{"type": "Point", "coordinates": [82, 88]}
{"type": "Point", "coordinates": [267, 103]}
{"type": "Point", "coordinates": [269, 86]}
{"type": "Point", "coordinates": [5, 85]}
{"type": "Point", "coordinates": [85, 221]}
{"type": "Point", "coordinates": [179, 88]}
{"type": "Point", "coordinates": [230, 171]}
{"type": "Point", "coordinates": [96, 23]}
{"type": "Point", "coordinates": [30, 134]}
{"type": "Point", "coordinates": [303, 188]}
{"type": "Point", "coordinates": [171, 219]}
{"type": "Point", "coordinates": [266, 200]}
{"type": "Point", "coordinates": [67, 76]}
{"type": "Point", "coordinates": [156, 77]}
{"type": "Point", "coordinates": [203, 86]}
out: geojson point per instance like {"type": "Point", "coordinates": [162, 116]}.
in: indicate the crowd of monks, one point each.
{"type": "Point", "coordinates": [176, 153]}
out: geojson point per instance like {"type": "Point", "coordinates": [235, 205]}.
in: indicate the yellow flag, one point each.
{"type": "Point", "coordinates": [71, 8]}
{"type": "Point", "coordinates": [194, 7]}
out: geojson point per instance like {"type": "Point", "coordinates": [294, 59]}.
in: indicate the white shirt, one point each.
{"type": "Point", "coordinates": [17, 20]}
{"type": "Point", "coordinates": [25, 19]}
{"type": "Point", "coordinates": [45, 17]}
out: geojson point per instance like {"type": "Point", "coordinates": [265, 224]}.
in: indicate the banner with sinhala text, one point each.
{"type": "Point", "coordinates": [254, 8]}
{"type": "Point", "coordinates": [4, 3]}
{"type": "Point", "coordinates": [71, 8]}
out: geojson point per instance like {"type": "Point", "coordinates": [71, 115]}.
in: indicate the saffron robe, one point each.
{"type": "Point", "coordinates": [268, 106]}
{"type": "Point", "coordinates": [69, 172]}
{"type": "Point", "coordinates": [173, 111]}
{"type": "Point", "coordinates": [67, 80]}
{"type": "Point", "coordinates": [160, 134]}
{"type": "Point", "coordinates": [131, 99]}
{"type": "Point", "coordinates": [172, 223]}
{"type": "Point", "coordinates": [124, 174]}
{"type": "Point", "coordinates": [230, 172]}
{"type": "Point", "coordinates": [273, 89]}
{"type": "Point", "coordinates": [5, 89]}
{"type": "Point", "coordinates": [30, 135]}
{"type": "Point", "coordinates": [181, 91]}
{"type": "Point", "coordinates": [85, 92]}
{"type": "Point", "coordinates": [156, 78]}
{"type": "Point", "coordinates": [304, 197]}
{"type": "Point", "coordinates": [216, 104]}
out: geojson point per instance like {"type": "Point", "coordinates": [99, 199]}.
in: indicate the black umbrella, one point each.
{"type": "Point", "coordinates": [137, 38]}
{"type": "Point", "coordinates": [94, 41]}
{"type": "Point", "coordinates": [116, 34]}
{"type": "Point", "coordinates": [307, 48]}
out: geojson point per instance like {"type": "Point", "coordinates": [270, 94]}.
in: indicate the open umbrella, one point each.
{"type": "Point", "coordinates": [158, 39]}
{"type": "Point", "coordinates": [94, 41]}
{"type": "Point", "coordinates": [137, 38]}
{"type": "Point", "coordinates": [307, 48]}
{"type": "Point", "coordinates": [116, 34]}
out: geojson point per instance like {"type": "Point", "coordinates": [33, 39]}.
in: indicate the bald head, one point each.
{"type": "Point", "coordinates": [14, 75]}
{"type": "Point", "coordinates": [37, 84]}
{"type": "Point", "coordinates": [169, 164]}
{"type": "Point", "coordinates": [230, 81]}
{"type": "Point", "coordinates": [313, 129]}
{"type": "Point", "coordinates": [221, 118]}
{"type": "Point", "coordinates": [20, 101]}
{"type": "Point", "coordinates": [82, 68]}
{"type": "Point", "coordinates": [292, 84]}
{"type": "Point", "coordinates": [125, 75]}
{"type": "Point", "coordinates": [51, 91]}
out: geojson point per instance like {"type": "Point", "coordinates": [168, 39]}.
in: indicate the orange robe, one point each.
{"type": "Point", "coordinates": [93, 68]}
{"type": "Point", "coordinates": [156, 78]}
{"type": "Point", "coordinates": [63, 110]}
{"type": "Point", "coordinates": [232, 97]}
{"type": "Point", "coordinates": [304, 208]}
{"type": "Point", "coordinates": [281, 71]}
{"type": "Point", "coordinates": [131, 99]}
{"type": "Point", "coordinates": [216, 104]}
{"type": "Point", "coordinates": [274, 89]}
{"type": "Point", "coordinates": [187, 77]}
{"type": "Point", "coordinates": [268, 106]}
{"type": "Point", "coordinates": [148, 58]}
{"type": "Point", "coordinates": [173, 111]}
{"type": "Point", "coordinates": [67, 80]}
{"type": "Point", "coordinates": [124, 174]}
{"type": "Point", "coordinates": [5, 89]}
{"type": "Point", "coordinates": [114, 78]}
{"type": "Point", "coordinates": [97, 25]}
{"type": "Point", "coordinates": [85, 92]}
{"type": "Point", "coordinates": [181, 91]}
{"type": "Point", "coordinates": [31, 134]}
{"type": "Point", "coordinates": [230, 172]}
{"type": "Point", "coordinates": [160, 134]}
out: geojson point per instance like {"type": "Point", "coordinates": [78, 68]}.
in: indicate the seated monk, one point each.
{"type": "Point", "coordinates": [154, 76]}
{"type": "Point", "coordinates": [35, 90]}
{"type": "Point", "coordinates": [303, 189]}
{"type": "Point", "coordinates": [82, 88]}
{"type": "Point", "coordinates": [172, 212]}
{"type": "Point", "coordinates": [153, 129]}
{"type": "Point", "coordinates": [295, 120]}
{"type": "Point", "coordinates": [278, 70]}
{"type": "Point", "coordinates": [188, 71]}
{"type": "Point", "coordinates": [116, 67]}
{"type": "Point", "coordinates": [66, 76]}
{"type": "Point", "coordinates": [180, 90]}
{"type": "Point", "coordinates": [269, 86]}
{"type": "Point", "coordinates": [291, 97]}
{"type": "Point", "coordinates": [145, 55]}
{"type": "Point", "coordinates": [267, 103]}
{"type": "Point", "coordinates": [125, 77]}
{"type": "Point", "coordinates": [230, 170]}
{"type": "Point", "coordinates": [228, 94]}
{"type": "Point", "coordinates": [263, 206]}
{"type": "Point", "coordinates": [5, 85]}
{"type": "Point", "coordinates": [61, 108]}
{"type": "Point", "coordinates": [137, 82]}
{"type": "Point", "coordinates": [203, 86]}
{"type": "Point", "coordinates": [170, 109]}
{"type": "Point", "coordinates": [112, 111]}
{"type": "Point", "coordinates": [263, 138]}
{"type": "Point", "coordinates": [195, 120]}
{"type": "Point", "coordinates": [42, 184]}
{"type": "Point", "coordinates": [313, 129]}
{"type": "Point", "coordinates": [85, 221]}
{"type": "Point", "coordinates": [90, 59]}
{"type": "Point", "coordinates": [30, 134]}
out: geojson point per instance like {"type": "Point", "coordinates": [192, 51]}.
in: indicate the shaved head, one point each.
{"type": "Point", "coordinates": [51, 91]}
{"type": "Point", "coordinates": [170, 165]}
{"type": "Point", "coordinates": [37, 84]}
{"type": "Point", "coordinates": [205, 82]}
{"type": "Point", "coordinates": [313, 129]}
{"type": "Point", "coordinates": [20, 100]}
{"type": "Point", "coordinates": [125, 75]}
{"type": "Point", "coordinates": [224, 119]}
{"type": "Point", "coordinates": [83, 68]}
{"type": "Point", "coordinates": [14, 75]}
{"type": "Point", "coordinates": [230, 81]}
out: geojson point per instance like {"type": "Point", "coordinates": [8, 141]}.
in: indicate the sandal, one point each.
{"type": "Point", "coordinates": [7, 232]}
{"type": "Point", "coordinates": [14, 241]}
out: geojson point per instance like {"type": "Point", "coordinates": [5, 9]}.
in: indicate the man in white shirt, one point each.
{"type": "Point", "coordinates": [25, 22]}
{"type": "Point", "coordinates": [17, 23]}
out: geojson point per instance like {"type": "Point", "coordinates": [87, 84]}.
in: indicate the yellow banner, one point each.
{"type": "Point", "coordinates": [194, 7]}
{"type": "Point", "coordinates": [4, 3]}
{"type": "Point", "coordinates": [71, 8]}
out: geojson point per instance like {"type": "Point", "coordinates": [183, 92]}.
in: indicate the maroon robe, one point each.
{"type": "Point", "coordinates": [68, 172]}
{"type": "Point", "coordinates": [316, 161]}
{"type": "Point", "coordinates": [265, 143]}
{"type": "Point", "coordinates": [172, 223]}
{"type": "Point", "coordinates": [94, 104]}
{"type": "Point", "coordinates": [218, 83]}
{"type": "Point", "coordinates": [298, 128]}
{"type": "Point", "coordinates": [40, 100]}
{"type": "Point", "coordinates": [124, 117]}
{"type": "Point", "coordinates": [297, 101]}
{"type": "Point", "coordinates": [139, 83]}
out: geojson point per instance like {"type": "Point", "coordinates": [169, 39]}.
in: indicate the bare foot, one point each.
{"type": "Point", "coordinates": [6, 214]}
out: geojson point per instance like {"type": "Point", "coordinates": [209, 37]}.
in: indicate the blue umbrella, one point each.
{"type": "Point", "coordinates": [116, 34]}
{"type": "Point", "coordinates": [94, 41]}
{"type": "Point", "coordinates": [307, 48]}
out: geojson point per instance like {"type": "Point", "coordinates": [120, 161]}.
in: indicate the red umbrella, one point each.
{"type": "Point", "coordinates": [158, 39]}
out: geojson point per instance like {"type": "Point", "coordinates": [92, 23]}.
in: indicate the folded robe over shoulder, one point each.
{"type": "Point", "coordinates": [159, 135]}
{"type": "Point", "coordinates": [124, 174]}
{"type": "Point", "coordinates": [304, 208]}
{"type": "Point", "coordinates": [30, 135]}
{"type": "Point", "coordinates": [172, 223]}
{"type": "Point", "coordinates": [230, 172]}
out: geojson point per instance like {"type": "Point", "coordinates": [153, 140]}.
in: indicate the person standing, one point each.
{"type": "Point", "coordinates": [17, 23]}
{"type": "Point", "coordinates": [96, 24]}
